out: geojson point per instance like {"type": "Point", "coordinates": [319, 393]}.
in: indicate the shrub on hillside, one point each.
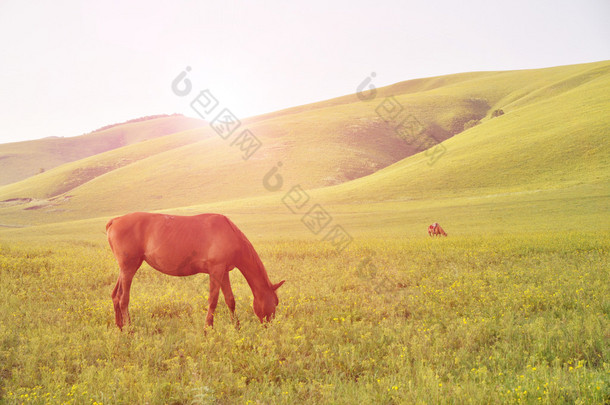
{"type": "Point", "coordinates": [470, 124]}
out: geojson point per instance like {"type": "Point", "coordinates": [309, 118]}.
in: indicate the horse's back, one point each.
{"type": "Point", "coordinates": [167, 241]}
{"type": "Point", "coordinates": [144, 227]}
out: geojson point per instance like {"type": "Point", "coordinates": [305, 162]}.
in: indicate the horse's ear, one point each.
{"type": "Point", "coordinates": [278, 285]}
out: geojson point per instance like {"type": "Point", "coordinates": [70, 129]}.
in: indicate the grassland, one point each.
{"type": "Point", "coordinates": [512, 307]}
{"type": "Point", "coordinates": [473, 319]}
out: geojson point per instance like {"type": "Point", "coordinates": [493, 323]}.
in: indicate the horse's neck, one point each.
{"type": "Point", "coordinates": [254, 272]}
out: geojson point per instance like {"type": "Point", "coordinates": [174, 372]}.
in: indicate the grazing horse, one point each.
{"type": "Point", "coordinates": [187, 245]}
{"type": "Point", "coordinates": [435, 229]}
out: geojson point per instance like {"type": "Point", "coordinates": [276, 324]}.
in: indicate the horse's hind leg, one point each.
{"type": "Point", "coordinates": [126, 279]}
{"type": "Point", "coordinates": [229, 298]}
{"type": "Point", "coordinates": [118, 317]}
{"type": "Point", "coordinates": [120, 294]}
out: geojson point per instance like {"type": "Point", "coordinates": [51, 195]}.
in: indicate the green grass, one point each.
{"type": "Point", "coordinates": [475, 319]}
{"type": "Point", "coordinates": [511, 307]}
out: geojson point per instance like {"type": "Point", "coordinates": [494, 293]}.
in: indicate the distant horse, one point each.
{"type": "Point", "coordinates": [187, 245]}
{"type": "Point", "coordinates": [435, 229]}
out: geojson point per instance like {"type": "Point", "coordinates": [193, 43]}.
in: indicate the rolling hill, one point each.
{"type": "Point", "coordinates": [21, 160]}
{"type": "Point", "coordinates": [545, 152]}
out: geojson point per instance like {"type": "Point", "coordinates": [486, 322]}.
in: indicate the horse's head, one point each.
{"type": "Point", "coordinates": [264, 304]}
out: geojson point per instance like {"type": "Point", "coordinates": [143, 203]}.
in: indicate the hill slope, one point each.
{"type": "Point", "coordinates": [551, 137]}
{"type": "Point", "coordinates": [21, 160]}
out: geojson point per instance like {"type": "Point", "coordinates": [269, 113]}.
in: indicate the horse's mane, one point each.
{"type": "Point", "coordinates": [253, 257]}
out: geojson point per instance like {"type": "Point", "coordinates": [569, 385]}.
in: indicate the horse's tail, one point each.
{"type": "Point", "coordinates": [108, 225]}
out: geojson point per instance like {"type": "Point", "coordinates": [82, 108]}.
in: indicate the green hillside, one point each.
{"type": "Point", "coordinates": [66, 177]}
{"type": "Point", "coordinates": [21, 160]}
{"type": "Point", "coordinates": [542, 142]}
{"type": "Point", "coordinates": [547, 150]}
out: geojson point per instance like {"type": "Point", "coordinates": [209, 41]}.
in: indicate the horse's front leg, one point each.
{"type": "Point", "coordinates": [229, 298]}
{"type": "Point", "coordinates": [216, 277]}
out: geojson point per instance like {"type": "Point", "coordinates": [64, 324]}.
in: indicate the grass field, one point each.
{"type": "Point", "coordinates": [512, 307]}
{"type": "Point", "coordinates": [472, 319]}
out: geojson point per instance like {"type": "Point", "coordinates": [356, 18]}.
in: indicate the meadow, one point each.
{"type": "Point", "coordinates": [467, 319]}
{"type": "Point", "coordinates": [512, 307]}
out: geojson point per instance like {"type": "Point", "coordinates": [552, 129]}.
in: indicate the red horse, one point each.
{"type": "Point", "coordinates": [435, 229]}
{"type": "Point", "coordinates": [187, 245]}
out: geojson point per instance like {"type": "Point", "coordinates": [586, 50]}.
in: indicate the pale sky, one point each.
{"type": "Point", "coordinates": [69, 67]}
